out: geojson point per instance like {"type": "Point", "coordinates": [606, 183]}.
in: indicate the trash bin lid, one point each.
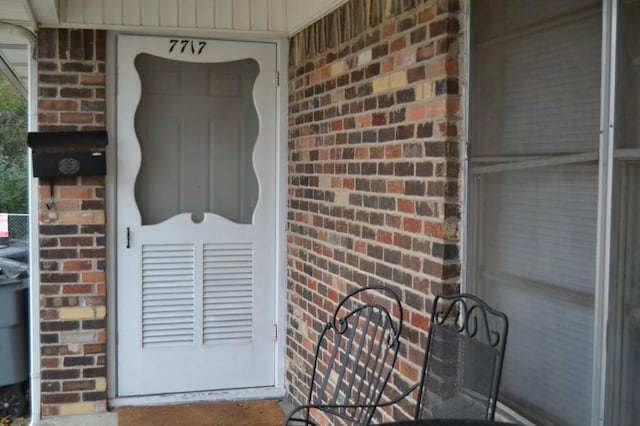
{"type": "Point", "coordinates": [10, 268]}
{"type": "Point", "coordinates": [10, 281]}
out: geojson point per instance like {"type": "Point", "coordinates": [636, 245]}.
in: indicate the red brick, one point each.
{"type": "Point", "coordinates": [92, 80]}
{"type": "Point", "coordinates": [78, 289]}
{"type": "Point", "coordinates": [412, 225]}
{"type": "Point", "coordinates": [75, 192]}
{"type": "Point", "coordinates": [58, 105]}
{"type": "Point", "coordinates": [76, 265]}
{"type": "Point", "coordinates": [76, 118]}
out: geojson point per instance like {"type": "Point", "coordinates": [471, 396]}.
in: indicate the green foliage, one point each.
{"type": "Point", "coordinates": [13, 150]}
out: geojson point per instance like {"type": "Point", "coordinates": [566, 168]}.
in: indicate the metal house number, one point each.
{"type": "Point", "coordinates": [186, 46]}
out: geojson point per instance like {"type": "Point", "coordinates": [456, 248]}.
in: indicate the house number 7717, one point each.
{"type": "Point", "coordinates": [184, 46]}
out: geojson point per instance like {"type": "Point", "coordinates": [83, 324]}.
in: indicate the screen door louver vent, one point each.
{"type": "Point", "coordinates": [228, 293]}
{"type": "Point", "coordinates": [167, 295]}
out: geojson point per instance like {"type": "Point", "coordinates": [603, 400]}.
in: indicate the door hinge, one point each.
{"type": "Point", "coordinates": [275, 332]}
{"type": "Point", "coordinates": [277, 79]}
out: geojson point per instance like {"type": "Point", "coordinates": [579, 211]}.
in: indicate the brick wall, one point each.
{"type": "Point", "coordinates": [373, 173]}
{"type": "Point", "coordinates": [71, 97]}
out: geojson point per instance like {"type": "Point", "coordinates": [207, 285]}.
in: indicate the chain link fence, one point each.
{"type": "Point", "coordinates": [18, 228]}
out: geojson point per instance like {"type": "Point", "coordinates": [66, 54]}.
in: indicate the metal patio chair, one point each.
{"type": "Point", "coordinates": [354, 357]}
{"type": "Point", "coordinates": [463, 361]}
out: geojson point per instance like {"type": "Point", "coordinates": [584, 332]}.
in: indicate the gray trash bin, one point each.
{"type": "Point", "coordinates": [13, 347]}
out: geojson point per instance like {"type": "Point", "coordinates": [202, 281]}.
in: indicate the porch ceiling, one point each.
{"type": "Point", "coordinates": [19, 19]}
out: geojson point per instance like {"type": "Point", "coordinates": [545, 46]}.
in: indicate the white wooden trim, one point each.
{"type": "Point", "coordinates": [215, 34]}
{"type": "Point", "coordinates": [281, 212]}
{"type": "Point", "coordinates": [111, 210]}
{"type": "Point", "coordinates": [34, 253]}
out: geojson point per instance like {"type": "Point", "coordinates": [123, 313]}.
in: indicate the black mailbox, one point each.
{"type": "Point", "coordinates": [68, 153]}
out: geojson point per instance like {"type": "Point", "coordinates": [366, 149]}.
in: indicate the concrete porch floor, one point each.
{"type": "Point", "coordinates": [103, 419]}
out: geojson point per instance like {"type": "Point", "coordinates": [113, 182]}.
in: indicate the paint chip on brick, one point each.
{"type": "Point", "coordinates": [324, 181]}
{"type": "Point", "coordinates": [77, 408]}
{"type": "Point", "coordinates": [101, 384]}
{"type": "Point", "coordinates": [342, 198]}
{"type": "Point", "coordinates": [424, 91]}
{"type": "Point", "coordinates": [339, 68]}
{"type": "Point", "coordinates": [398, 79]}
{"type": "Point", "coordinates": [364, 57]}
{"type": "Point", "coordinates": [380, 84]}
{"type": "Point", "coordinates": [76, 313]}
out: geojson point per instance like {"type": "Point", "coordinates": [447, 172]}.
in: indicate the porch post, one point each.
{"type": "Point", "coordinates": [71, 97]}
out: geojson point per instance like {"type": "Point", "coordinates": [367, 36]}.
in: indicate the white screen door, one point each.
{"type": "Point", "coordinates": [195, 215]}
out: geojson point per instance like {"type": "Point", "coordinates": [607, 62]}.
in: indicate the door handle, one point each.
{"type": "Point", "coordinates": [128, 237]}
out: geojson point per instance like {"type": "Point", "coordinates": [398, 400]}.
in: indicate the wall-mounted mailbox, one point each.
{"type": "Point", "coordinates": [68, 153]}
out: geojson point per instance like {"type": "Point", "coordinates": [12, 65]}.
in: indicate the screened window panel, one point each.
{"type": "Point", "coordinates": [538, 266]}
{"type": "Point", "coordinates": [628, 77]}
{"type": "Point", "coordinates": [540, 225]}
{"type": "Point", "coordinates": [201, 161]}
{"type": "Point", "coordinates": [546, 375]}
{"type": "Point", "coordinates": [535, 95]}
{"type": "Point", "coordinates": [507, 16]}
{"type": "Point", "coordinates": [540, 90]}
{"type": "Point", "coordinates": [624, 326]}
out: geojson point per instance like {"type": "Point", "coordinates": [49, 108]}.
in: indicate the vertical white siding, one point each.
{"type": "Point", "coordinates": [224, 14]}
{"type": "Point", "coordinates": [280, 16]}
{"type": "Point", "coordinates": [93, 13]}
{"type": "Point", "coordinates": [169, 13]}
{"type": "Point", "coordinates": [277, 15]}
{"type": "Point", "coordinates": [73, 12]}
{"type": "Point", "coordinates": [113, 11]}
{"type": "Point", "coordinates": [241, 15]}
{"type": "Point", "coordinates": [206, 14]}
{"type": "Point", "coordinates": [259, 15]}
{"type": "Point", "coordinates": [130, 12]}
{"type": "Point", "coordinates": [187, 14]}
{"type": "Point", "coordinates": [150, 13]}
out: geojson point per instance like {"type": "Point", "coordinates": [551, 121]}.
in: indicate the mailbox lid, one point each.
{"type": "Point", "coordinates": [86, 141]}
{"type": "Point", "coordinates": [57, 154]}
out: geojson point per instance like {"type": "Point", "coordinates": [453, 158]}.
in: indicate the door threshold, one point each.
{"type": "Point", "coordinates": [196, 397]}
